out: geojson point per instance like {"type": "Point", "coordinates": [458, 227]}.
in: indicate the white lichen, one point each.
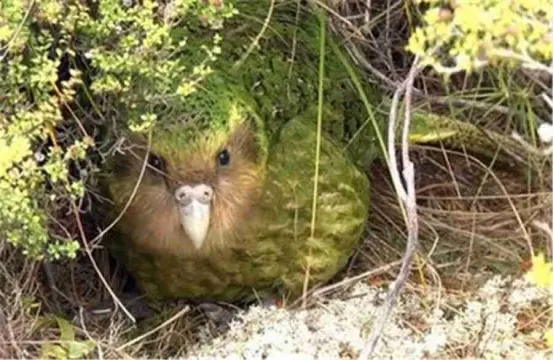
{"type": "Point", "coordinates": [546, 133]}
{"type": "Point", "coordinates": [484, 325]}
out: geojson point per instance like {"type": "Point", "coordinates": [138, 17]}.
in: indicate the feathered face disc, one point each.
{"type": "Point", "coordinates": [205, 174]}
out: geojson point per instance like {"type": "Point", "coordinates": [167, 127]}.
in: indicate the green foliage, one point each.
{"type": "Point", "coordinates": [144, 64]}
{"type": "Point", "coordinates": [67, 347]}
{"type": "Point", "coordinates": [465, 35]}
{"type": "Point", "coordinates": [135, 53]}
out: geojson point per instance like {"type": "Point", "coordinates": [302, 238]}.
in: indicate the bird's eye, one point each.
{"type": "Point", "coordinates": [224, 157]}
{"type": "Point", "coordinates": [157, 162]}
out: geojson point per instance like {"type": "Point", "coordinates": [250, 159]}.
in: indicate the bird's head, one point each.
{"type": "Point", "coordinates": [203, 176]}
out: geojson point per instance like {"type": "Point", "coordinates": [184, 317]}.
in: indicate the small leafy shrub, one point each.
{"type": "Point", "coordinates": [64, 66]}
{"type": "Point", "coordinates": [468, 34]}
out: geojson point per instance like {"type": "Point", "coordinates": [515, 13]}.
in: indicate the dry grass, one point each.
{"type": "Point", "coordinates": [474, 212]}
{"type": "Point", "coordinates": [473, 217]}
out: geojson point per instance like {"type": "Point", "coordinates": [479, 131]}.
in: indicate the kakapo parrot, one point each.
{"type": "Point", "coordinates": [224, 206]}
{"type": "Point", "coordinates": [220, 202]}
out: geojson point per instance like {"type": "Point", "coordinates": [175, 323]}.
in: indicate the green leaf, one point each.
{"type": "Point", "coordinates": [78, 349]}
{"type": "Point", "coordinates": [68, 348]}
{"type": "Point", "coordinates": [50, 350]}
{"type": "Point", "coordinates": [66, 329]}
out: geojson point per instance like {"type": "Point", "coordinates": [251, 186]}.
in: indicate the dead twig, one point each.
{"type": "Point", "coordinates": [407, 195]}
{"type": "Point", "coordinates": [88, 249]}
{"type": "Point", "coordinates": [181, 312]}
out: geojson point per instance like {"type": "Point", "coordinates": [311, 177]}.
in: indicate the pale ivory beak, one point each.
{"type": "Point", "coordinates": [194, 210]}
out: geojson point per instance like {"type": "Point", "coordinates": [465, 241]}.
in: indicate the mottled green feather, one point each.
{"type": "Point", "coordinates": [280, 74]}
{"type": "Point", "coordinates": [275, 248]}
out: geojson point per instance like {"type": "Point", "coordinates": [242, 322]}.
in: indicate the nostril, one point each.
{"type": "Point", "coordinates": [201, 192]}
{"type": "Point", "coordinates": [206, 191]}
{"type": "Point", "coordinates": [181, 194]}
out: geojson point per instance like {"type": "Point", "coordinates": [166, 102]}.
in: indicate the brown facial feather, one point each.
{"type": "Point", "coordinates": [152, 219]}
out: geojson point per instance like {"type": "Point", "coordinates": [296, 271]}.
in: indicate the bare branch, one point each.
{"type": "Point", "coordinates": [408, 197]}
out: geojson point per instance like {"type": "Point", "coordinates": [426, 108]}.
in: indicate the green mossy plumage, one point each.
{"type": "Point", "coordinates": [275, 248]}
{"type": "Point", "coordinates": [280, 74]}
{"type": "Point", "coordinates": [271, 247]}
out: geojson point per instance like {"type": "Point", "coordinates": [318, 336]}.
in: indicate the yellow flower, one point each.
{"type": "Point", "coordinates": [548, 337]}
{"type": "Point", "coordinates": [541, 271]}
